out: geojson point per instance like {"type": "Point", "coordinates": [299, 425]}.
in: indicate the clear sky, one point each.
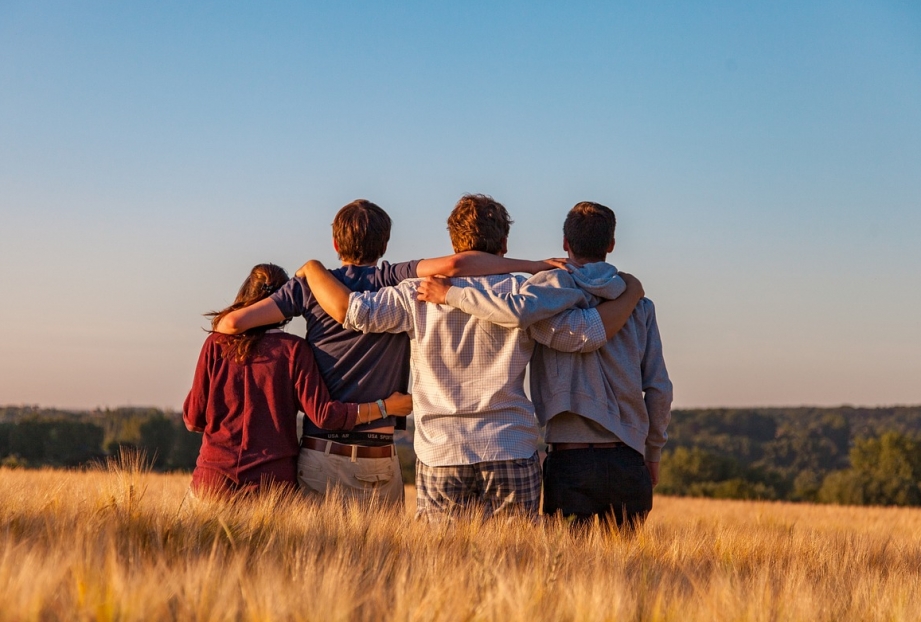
{"type": "Point", "coordinates": [763, 159]}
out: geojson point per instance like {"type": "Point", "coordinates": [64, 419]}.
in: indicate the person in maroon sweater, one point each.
{"type": "Point", "coordinates": [246, 394]}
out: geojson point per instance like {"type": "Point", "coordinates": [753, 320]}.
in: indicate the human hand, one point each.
{"type": "Point", "coordinates": [634, 287]}
{"type": "Point", "coordinates": [433, 289]}
{"type": "Point", "coordinates": [653, 468]}
{"type": "Point", "coordinates": [399, 404]}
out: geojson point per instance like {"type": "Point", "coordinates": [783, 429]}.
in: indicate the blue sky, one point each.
{"type": "Point", "coordinates": [764, 161]}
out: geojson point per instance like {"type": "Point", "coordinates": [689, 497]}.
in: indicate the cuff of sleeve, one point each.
{"type": "Point", "coordinates": [595, 336]}
{"type": "Point", "coordinates": [351, 416]}
{"type": "Point", "coordinates": [454, 296]}
{"type": "Point", "coordinates": [653, 454]}
{"type": "Point", "coordinates": [356, 313]}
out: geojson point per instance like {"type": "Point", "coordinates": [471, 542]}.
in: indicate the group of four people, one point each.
{"type": "Point", "coordinates": [598, 380]}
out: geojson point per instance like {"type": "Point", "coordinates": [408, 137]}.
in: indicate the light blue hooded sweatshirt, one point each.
{"type": "Point", "coordinates": [623, 385]}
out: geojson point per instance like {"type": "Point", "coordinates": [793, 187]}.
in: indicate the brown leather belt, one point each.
{"type": "Point", "coordinates": [341, 449]}
{"type": "Point", "coordinates": [565, 446]}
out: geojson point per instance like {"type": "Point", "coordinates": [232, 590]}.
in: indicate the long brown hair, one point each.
{"type": "Point", "coordinates": [263, 280]}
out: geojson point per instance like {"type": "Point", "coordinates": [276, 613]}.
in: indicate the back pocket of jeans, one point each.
{"type": "Point", "coordinates": [374, 478]}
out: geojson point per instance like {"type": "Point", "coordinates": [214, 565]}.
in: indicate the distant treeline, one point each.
{"type": "Point", "coordinates": [862, 456]}
{"type": "Point", "coordinates": [34, 437]}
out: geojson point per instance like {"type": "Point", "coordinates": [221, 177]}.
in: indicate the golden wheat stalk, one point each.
{"type": "Point", "coordinates": [122, 543]}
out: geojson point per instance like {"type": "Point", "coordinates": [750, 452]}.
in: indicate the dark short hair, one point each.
{"type": "Point", "coordinates": [478, 223]}
{"type": "Point", "coordinates": [361, 230]}
{"type": "Point", "coordinates": [589, 229]}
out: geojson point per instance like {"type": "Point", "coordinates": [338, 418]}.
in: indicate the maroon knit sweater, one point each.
{"type": "Point", "coordinates": [248, 411]}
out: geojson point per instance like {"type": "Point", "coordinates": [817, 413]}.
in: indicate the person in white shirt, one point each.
{"type": "Point", "coordinates": [476, 433]}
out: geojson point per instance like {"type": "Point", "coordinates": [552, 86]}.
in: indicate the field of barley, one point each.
{"type": "Point", "coordinates": [121, 543]}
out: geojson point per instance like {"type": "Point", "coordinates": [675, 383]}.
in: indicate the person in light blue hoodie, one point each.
{"type": "Point", "coordinates": [605, 412]}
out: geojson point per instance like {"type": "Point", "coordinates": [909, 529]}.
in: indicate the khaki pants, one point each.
{"type": "Point", "coordinates": [367, 479]}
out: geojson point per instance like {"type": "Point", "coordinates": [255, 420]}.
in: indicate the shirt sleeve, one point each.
{"type": "Point", "coordinates": [576, 330]}
{"type": "Point", "coordinates": [388, 310]}
{"type": "Point", "coordinates": [291, 299]}
{"type": "Point", "coordinates": [392, 274]}
{"type": "Point", "coordinates": [657, 387]}
{"type": "Point", "coordinates": [313, 396]}
{"type": "Point", "coordinates": [539, 298]}
{"type": "Point", "coordinates": [195, 407]}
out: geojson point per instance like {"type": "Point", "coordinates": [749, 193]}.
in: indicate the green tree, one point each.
{"type": "Point", "coordinates": [55, 442]}
{"type": "Point", "coordinates": [27, 440]}
{"type": "Point", "coordinates": [6, 429]}
{"type": "Point", "coordinates": [157, 436]}
{"type": "Point", "coordinates": [70, 443]}
{"type": "Point", "coordinates": [884, 471]}
{"type": "Point", "coordinates": [684, 468]}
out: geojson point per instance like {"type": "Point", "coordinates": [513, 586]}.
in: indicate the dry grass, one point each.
{"type": "Point", "coordinates": [125, 544]}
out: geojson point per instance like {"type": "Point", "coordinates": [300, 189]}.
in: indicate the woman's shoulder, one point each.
{"type": "Point", "coordinates": [213, 340]}
{"type": "Point", "coordinates": [282, 339]}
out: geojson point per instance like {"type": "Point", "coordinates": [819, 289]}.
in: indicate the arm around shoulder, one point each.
{"type": "Point", "coordinates": [262, 313]}
{"type": "Point", "coordinates": [388, 310]}
{"type": "Point", "coordinates": [478, 263]}
{"type": "Point", "coordinates": [330, 293]}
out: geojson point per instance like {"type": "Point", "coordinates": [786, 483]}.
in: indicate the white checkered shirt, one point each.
{"type": "Point", "coordinates": [468, 374]}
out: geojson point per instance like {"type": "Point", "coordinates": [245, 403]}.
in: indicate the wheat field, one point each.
{"type": "Point", "coordinates": [121, 543]}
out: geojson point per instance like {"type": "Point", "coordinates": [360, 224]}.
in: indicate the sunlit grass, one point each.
{"type": "Point", "coordinates": [120, 543]}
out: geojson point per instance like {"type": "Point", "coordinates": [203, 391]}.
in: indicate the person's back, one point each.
{"type": "Point", "coordinates": [355, 366]}
{"type": "Point", "coordinates": [468, 374]}
{"type": "Point", "coordinates": [607, 384]}
{"type": "Point", "coordinates": [247, 411]}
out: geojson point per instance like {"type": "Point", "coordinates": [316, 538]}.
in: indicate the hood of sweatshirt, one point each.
{"type": "Point", "coordinates": [599, 279]}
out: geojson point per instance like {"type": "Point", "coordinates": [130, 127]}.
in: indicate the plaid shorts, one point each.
{"type": "Point", "coordinates": [503, 486]}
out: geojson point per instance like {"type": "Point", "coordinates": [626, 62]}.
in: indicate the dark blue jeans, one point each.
{"type": "Point", "coordinates": [612, 483]}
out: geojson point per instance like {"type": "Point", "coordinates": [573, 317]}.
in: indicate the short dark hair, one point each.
{"type": "Point", "coordinates": [361, 230]}
{"type": "Point", "coordinates": [589, 230]}
{"type": "Point", "coordinates": [478, 223]}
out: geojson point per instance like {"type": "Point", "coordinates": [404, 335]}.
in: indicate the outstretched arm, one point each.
{"type": "Point", "coordinates": [477, 263]}
{"type": "Point", "coordinates": [533, 303]}
{"type": "Point", "coordinates": [539, 298]}
{"type": "Point", "coordinates": [331, 294]}
{"type": "Point", "coordinates": [262, 313]}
